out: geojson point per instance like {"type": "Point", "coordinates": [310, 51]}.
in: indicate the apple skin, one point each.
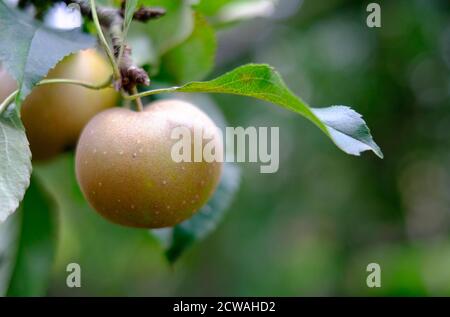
{"type": "Point", "coordinates": [54, 115]}
{"type": "Point", "coordinates": [125, 170]}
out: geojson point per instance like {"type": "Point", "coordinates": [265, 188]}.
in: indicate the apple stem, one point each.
{"type": "Point", "coordinates": [102, 38]}
{"type": "Point", "coordinates": [103, 85]}
{"type": "Point", "coordinates": [111, 20]}
{"type": "Point", "coordinates": [139, 104]}
{"type": "Point", "coordinates": [8, 101]}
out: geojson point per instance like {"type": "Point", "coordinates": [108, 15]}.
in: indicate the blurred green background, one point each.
{"type": "Point", "coordinates": [311, 228]}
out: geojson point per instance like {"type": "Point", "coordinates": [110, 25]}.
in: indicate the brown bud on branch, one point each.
{"type": "Point", "coordinates": [111, 19]}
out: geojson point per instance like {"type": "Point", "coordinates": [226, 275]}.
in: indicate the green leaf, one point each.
{"type": "Point", "coordinates": [36, 244]}
{"type": "Point", "coordinates": [173, 28]}
{"type": "Point", "coordinates": [194, 58]}
{"type": "Point", "coordinates": [177, 239]}
{"type": "Point", "coordinates": [229, 11]}
{"type": "Point", "coordinates": [210, 8]}
{"type": "Point", "coordinates": [130, 8]}
{"type": "Point", "coordinates": [28, 49]}
{"type": "Point", "coordinates": [15, 162]}
{"type": "Point", "coordinates": [9, 233]}
{"type": "Point", "coordinates": [150, 41]}
{"type": "Point", "coordinates": [345, 127]}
